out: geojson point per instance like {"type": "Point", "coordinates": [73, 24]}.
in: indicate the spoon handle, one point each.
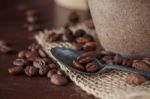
{"type": "Point", "coordinates": [128, 69]}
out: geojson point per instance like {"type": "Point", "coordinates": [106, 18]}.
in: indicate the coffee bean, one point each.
{"type": "Point", "coordinates": [80, 33]}
{"type": "Point", "coordinates": [89, 46]}
{"type": "Point", "coordinates": [76, 46]}
{"type": "Point", "coordinates": [85, 60]}
{"type": "Point", "coordinates": [118, 59]}
{"type": "Point", "coordinates": [22, 54]}
{"type": "Point", "coordinates": [135, 79]}
{"type": "Point", "coordinates": [58, 80]}
{"type": "Point", "coordinates": [48, 60]}
{"type": "Point", "coordinates": [68, 36]}
{"type": "Point", "coordinates": [5, 49]}
{"type": "Point", "coordinates": [78, 66]}
{"type": "Point", "coordinates": [91, 67]}
{"type": "Point", "coordinates": [73, 17]}
{"type": "Point", "coordinates": [141, 65]}
{"type": "Point", "coordinates": [53, 66]}
{"type": "Point", "coordinates": [39, 63]}
{"type": "Point", "coordinates": [90, 54]}
{"type": "Point", "coordinates": [60, 72]}
{"type": "Point", "coordinates": [31, 54]}
{"type": "Point", "coordinates": [15, 70]}
{"type": "Point", "coordinates": [20, 62]}
{"type": "Point", "coordinates": [44, 70]}
{"type": "Point", "coordinates": [42, 53]}
{"type": "Point", "coordinates": [107, 58]}
{"type": "Point", "coordinates": [51, 72]}
{"type": "Point", "coordinates": [31, 71]}
{"type": "Point", "coordinates": [34, 47]}
{"type": "Point", "coordinates": [82, 40]}
{"type": "Point", "coordinates": [54, 38]}
{"type": "Point", "coordinates": [87, 36]}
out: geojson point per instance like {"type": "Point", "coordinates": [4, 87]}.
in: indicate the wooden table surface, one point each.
{"type": "Point", "coordinates": [11, 29]}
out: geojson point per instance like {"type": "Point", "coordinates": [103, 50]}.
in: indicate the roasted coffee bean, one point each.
{"type": "Point", "coordinates": [60, 72]}
{"type": "Point", "coordinates": [68, 36]}
{"type": "Point", "coordinates": [89, 46]}
{"type": "Point", "coordinates": [147, 60]}
{"type": "Point", "coordinates": [31, 54]}
{"type": "Point", "coordinates": [48, 60]}
{"type": "Point", "coordinates": [78, 66]}
{"type": "Point", "coordinates": [42, 53]}
{"type": "Point", "coordinates": [53, 66]}
{"type": "Point", "coordinates": [31, 71]}
{"type": "Point", "coordinates": [20, 62]}
{"type": "Point", "coordinates": [5, 49]}
{"type": "Point", "coordinates": [87, 36]}
{"type": "Point", "coordinates": [43, 70]}
{"type": "Point", "coordinates": [118, 59]}
{"type": "Point", "coordinates": [15, 70]}
{"type": "Point", "coordinates": [22, 54]}
{"type": "Point", "coordinates": [58, 80]}
{"type": "Point", "coordinates": [106, 53]}
{"type": "Point", "coordinates": [91, 67]}
{"type": "Point", "coordinates": [30, 12]}
{"type": "Point", "coordinates": [106, 58]}
{"type": "Point", "coordinates": [51, 72]}
{"type": "Point", "coordinates": [85, 60]}
{"type": "Point", "coordinates": [73, 17]}
{"type": "Point", "coordinates": [90, 54]}
{"type": "Point", "coordinates": [39, 63]}
{"type": "Point", "coordinates": [82, 40]}
{"type": "Point", "coordinates": [34, 47]}
{"type": "Point", "coordinates": [76, 46]}
{"type": "Point", "coordinates": [141, 65]}
{"type": "Point", "coordinates": [80, 33]}
{"type": "Point", "coordinates": [135, 79]}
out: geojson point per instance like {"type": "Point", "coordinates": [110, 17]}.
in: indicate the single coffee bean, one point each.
{"type": "Point", "coordinates": [42, 53]}
{"type": "Point", "coordinates": [91, 67]}
{"type": "Point", "coordinates": [5, 49]}
{"type": "Point", "coordinates": [34, 47]}
{"type": "Point", "coordinates": [135, 79]}
{"type": "Point", "coordinates": [48, 60]}
{"type": "Point", "coordinates": [54, 38]}
{"type": "Point", "coordinates": [31, 54]}
{"type": "Point", "coordinates": [58, 80]}
{"type": "Point", "coordinates": [78, 66]}
{"type": "Point", "coordinates": [15, 70]}
{"type": "Point", "coordinates": [76, 46]}
{"type": "Point", "coordinates": [39, 63]}
{"type": "Point", "coordinates": [118, 59]}
{"type": "Point", "coordinates": [106, 58]}
{"type": "Point", "coordinates": [20, 62]}
{"type": "Point", "coordinates": [44, 70]}
{"type": "Point", "coordinates": [73, 17]}
{"type": "Point", "coordinates": [31, 71]}
{"type": "Point", "coordinates": [82, 40]}
{"type": "Point", "coordinates": [90, 54]}
{"type": "Point", "coordinates": [88, 36]}
{"type": "Point", "coordinates": [51, 72]}
{"type": "Point", "coordinates": [89, 46]}
{"type": "Point", "coordinates": [141, 65]}
{"type": "Point", "coordinates": [53, 66]}
{"type": "Point", "coordinates": [22, 54]}
{"type": "Point", "coordinates": [85, 60]}
{"type": "Point", "coordinates": [68, 36]}
{"type": "Point", "coordinates": [80, 33]}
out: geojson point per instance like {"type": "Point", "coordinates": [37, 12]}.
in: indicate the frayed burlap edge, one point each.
{"type": "Point", "coordinates": [110, 85]}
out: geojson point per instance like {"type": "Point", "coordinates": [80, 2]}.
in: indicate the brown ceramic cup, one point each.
{"type": "Point", "coordinates": [123, 26]}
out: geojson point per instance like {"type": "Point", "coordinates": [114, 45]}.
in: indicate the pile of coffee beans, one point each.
{"type": "Point", "coordinates": [5, 47]}
{"type": "Point", "coordinates": [85, 63]}
{"type": "Point", "coordinates": [34, 62]}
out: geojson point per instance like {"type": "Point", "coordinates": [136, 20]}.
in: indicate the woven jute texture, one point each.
{"type": "Point", "coordinates": [111, 85]}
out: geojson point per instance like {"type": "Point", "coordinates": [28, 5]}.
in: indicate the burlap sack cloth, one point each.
{"type": "Point", "coordinates": [110, 85]}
